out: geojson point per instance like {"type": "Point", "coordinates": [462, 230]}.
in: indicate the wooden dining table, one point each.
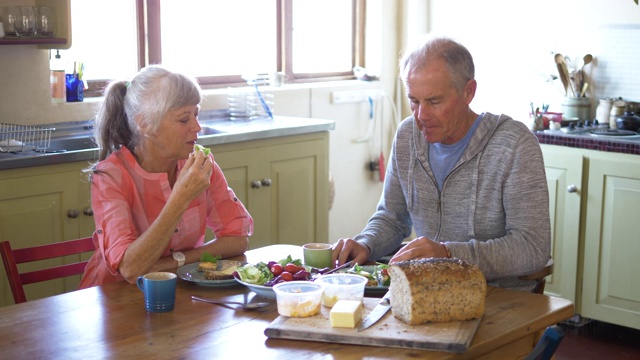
{"type": "Point", "coordinates": [110, 321]}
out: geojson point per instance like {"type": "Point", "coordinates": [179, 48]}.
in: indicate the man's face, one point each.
{"type": "Point", "coordinates": [441, 113]}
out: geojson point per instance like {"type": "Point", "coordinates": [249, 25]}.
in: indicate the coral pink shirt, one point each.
{"type": "Point", "coordinates": [126, 200]}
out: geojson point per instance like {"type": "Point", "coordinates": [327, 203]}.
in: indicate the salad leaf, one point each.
{"type": "Point", "coordinates": [359, 270]}
{"type": "Point", "coordinates": [206, 151]}
{"type": "Point", "coordinates": [257, 274]}
{"type": "Point", "coordinates": [383, 275]}
{"type": "Point", "coordinates": [207, 257]}
{"type": "Point", "coordinates": [289, 260]}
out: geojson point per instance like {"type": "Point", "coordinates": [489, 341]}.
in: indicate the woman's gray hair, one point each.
{"type": "Point", "coordinates": [457, 58]}
{"type": "Point", "coordinates": [141, 103]}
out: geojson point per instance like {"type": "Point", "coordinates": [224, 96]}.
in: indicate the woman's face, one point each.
{"type": "Point", "coordinates": [177, 133]}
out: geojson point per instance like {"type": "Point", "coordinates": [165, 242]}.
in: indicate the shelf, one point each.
{"type": "Point", "coordinates": [31, 41]}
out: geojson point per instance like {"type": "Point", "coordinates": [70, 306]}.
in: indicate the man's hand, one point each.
{"type": "Point", "coordinates": [349, 249]}
{"type": "Point", "coordinates": [421, 247]}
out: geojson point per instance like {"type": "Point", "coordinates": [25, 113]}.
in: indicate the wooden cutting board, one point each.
{"type": "Point", "coordinates": [388, 331]}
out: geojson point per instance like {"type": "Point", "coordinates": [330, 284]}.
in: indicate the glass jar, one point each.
{"type": "Point", "coordinates": [603, 110]}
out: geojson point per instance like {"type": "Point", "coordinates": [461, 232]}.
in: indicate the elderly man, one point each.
{"type": "Point", "coordinates": [472, 186]}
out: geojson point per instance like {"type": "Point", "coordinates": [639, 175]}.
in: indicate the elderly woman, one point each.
{"type": "Point", "coordinates": [152, 194]}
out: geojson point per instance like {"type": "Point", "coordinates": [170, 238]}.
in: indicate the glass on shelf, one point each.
{"type": "Point", "coordinates": [46, 22]}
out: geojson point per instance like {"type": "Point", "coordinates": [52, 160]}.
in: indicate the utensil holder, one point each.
{"type": "Point", "coordinates": [576, 108]}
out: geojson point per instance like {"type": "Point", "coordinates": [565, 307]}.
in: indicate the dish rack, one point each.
{"type": "Point", "coordinates": [18, 138]}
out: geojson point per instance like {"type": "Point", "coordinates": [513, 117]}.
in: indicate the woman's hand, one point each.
{"type": "Point", "coordinates": [195, 176]}
{"type": "Point", "coordinates": [421, 247]}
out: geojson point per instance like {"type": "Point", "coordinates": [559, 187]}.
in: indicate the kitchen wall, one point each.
{"type": "Point", "coordinates": [511, 41]}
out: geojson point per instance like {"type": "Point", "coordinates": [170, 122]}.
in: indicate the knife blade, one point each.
{"type": "Point", "coordinates": [377, 313]}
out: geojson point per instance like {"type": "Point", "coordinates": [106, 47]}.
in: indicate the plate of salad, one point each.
{"type": "Point", "coordinates": [261, 277]}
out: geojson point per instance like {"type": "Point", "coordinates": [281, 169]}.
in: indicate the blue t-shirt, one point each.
{"type": "Point", "coordinates": [442, 158]}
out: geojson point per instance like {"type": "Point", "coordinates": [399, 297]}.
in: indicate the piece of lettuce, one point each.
{"type": "Point", "coordinates": [290, 260]}
{"type": "Point", "coordinates": [206, 151]}
{"type": "Point", "coordinates": [207, 257]}
{"type": "Point", "coordinates": [255, 274]}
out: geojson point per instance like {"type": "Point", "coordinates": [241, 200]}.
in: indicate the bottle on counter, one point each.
{"type": "Point", "coordinates": [58, 81]}
{"type": "Point", "coordinates": [618, 107]}
{"type": "Point", "coordinates": [603, 110]}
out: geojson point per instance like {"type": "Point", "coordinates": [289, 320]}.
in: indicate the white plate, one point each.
{"type": "Point", "coordinates": [190, 273]}
{"type": "Point", "coordinates": [264, 291]}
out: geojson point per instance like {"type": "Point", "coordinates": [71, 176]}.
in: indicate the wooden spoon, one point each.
{"type": "Point", "coordinates": [587, 60]}
{"type": "Point", "coordinates": [564, 74]}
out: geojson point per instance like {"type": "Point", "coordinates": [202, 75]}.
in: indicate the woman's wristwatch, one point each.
{"type": "Point", "coordinates": [179, 257]}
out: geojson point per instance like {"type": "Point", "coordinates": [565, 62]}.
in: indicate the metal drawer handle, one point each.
{"type": "Point", "coordinates": [572, 189]}
{"type": "Point", "coordinates": [88, 211]}
{"type": "Point", "coordinates": [255, 184]}
{"type": "Point", "coordinates": [266, 182]}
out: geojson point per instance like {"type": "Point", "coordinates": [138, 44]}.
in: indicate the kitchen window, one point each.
{"type": "Point", "coordinates": [217, 41]}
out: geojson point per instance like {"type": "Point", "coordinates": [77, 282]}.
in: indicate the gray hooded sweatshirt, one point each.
{"type": "Point", "coordinates": [493, 209]}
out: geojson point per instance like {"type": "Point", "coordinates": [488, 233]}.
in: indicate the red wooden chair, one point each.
{"type": "Point", "coordinates": [13, 257]}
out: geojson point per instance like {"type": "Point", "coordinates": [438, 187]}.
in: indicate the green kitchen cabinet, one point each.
{"type": "Point", "coordinates": [283, 182]}
{"type": "Point", "coordinates": [594, 204]}
{"type": "Point", "coordinates": [611, 288]}
{"type": "Point", "coordinates": [564, 180]}
{"type": "Point", "coordinates": [41, 205]}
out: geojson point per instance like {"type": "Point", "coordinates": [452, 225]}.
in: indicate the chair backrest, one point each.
{"type": "Point", "coordinates": [540, 276]}
{"type": "Point", "coordinates": [13, 257]}
{"type": "Point", "coordinates": [548, 343]}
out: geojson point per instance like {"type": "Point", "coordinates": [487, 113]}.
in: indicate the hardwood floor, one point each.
{"type": "Point", "coordinates": [598, 340]}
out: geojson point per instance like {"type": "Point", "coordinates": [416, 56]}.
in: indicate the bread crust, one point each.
{"type": "Point", "coordinates": [436, 290]}
{"type": "Point", "coordinates": [220, 270]}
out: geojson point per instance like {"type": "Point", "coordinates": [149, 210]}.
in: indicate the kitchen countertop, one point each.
{"type": "Point", "coordinates": [585, 140]}
{"type": "Point", "coordinates": [214, 132]}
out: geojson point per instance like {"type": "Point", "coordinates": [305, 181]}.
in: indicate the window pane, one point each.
{"type": "Point", "coordinates": [104, 38]}
{"type": "Point", "coordinates": [322, 36]}
{"type": "Point", "coordinates": [216, 38]}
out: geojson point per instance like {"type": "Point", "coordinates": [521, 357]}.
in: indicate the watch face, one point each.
{"type": "Point", "coordinates": [178, 256]}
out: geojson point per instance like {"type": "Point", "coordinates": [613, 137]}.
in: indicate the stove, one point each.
{"type": "Point", "coordinates": [595, 129]}
{"type": "Point", "coordinates": [606, 132]}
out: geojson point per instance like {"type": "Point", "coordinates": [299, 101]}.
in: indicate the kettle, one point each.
{"type": "Point", "coordinates": [628, 121]}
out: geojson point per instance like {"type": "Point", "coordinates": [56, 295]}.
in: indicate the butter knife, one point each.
{"type": "Point", "coordinates": [377, 313]}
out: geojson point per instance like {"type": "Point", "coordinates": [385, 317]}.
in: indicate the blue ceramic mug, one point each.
{"type": "Point", "coordinates": [159, 291]}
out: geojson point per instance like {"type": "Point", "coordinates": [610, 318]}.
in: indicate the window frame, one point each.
{"type": "Point", "coordinates": [150, 50]}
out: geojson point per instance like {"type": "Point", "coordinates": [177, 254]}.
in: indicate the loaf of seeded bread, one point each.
{"type": "Point", "coordinates": [436, 290]}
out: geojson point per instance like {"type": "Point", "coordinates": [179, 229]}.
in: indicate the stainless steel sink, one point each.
{"type": "Point", "coordinates": [71, 144]}
{"type": "Point", "coordinates": [207, 130]}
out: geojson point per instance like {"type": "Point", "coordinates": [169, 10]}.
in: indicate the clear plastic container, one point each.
{"type": "Point", "coordinates": [342, 287]}
{"type": "Point", "coordinates": [298, 299]}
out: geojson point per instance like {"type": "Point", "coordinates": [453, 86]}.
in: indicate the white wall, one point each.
{"type": "Point", "coordinates": [512, 43]}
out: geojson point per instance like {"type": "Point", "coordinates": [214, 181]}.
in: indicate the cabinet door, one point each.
{"type": "Point", "coordinates": [564, 180]}
{"type": "Point", "coordinates": [612, 242]}
{"type": "Point", "coordinates": [34, 211]}
{"type": "Point", "coordinates": [298, 193]}
{"type": "Point", "coordinates": [236, 166]}
{"type": "Point", "coordinates": [284, 185]}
